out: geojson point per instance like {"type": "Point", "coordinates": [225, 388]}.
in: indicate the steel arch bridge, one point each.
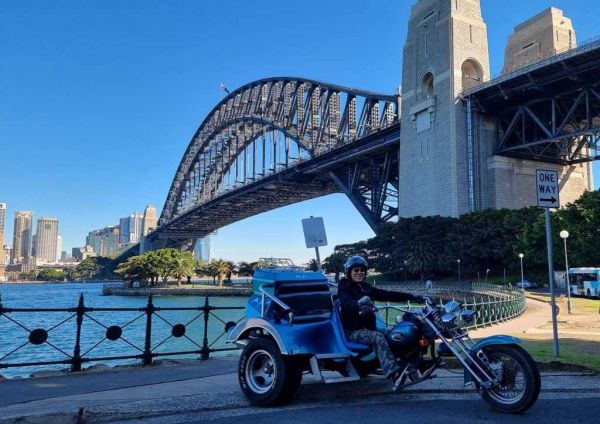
{"type": "Point", "coordinates": [278, 141]}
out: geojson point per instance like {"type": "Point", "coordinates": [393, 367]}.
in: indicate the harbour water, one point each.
{"type": "Point", "coordinates": [15, 327]}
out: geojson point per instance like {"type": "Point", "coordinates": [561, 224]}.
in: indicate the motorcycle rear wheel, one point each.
{"type": "Point", "coordinates": [520, 384]}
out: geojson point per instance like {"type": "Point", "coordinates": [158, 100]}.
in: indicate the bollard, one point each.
{"type": "Point", "coordinates": [147, 356]}
{"type": "Point", "coordinates": [205, 352]}
{"type": "Point", "coordinates": [76, 361]}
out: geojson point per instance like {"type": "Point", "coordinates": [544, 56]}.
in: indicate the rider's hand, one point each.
{"type": "Point", "coordinates": [366, 306]}
{"type": "Point", "coordinates": [365, 300]}
{"type": "Point", "coordinates": [366, 310]}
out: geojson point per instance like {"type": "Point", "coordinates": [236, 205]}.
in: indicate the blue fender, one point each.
{"type": "Point", "coordinates": [489, 341]}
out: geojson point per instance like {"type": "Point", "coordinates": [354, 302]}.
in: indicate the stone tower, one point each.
{"type": "Point", "coordinates": [542, 35]}
{"type": "Point", "coordinates": [446, 51]}
{"type": "Point", "coordinates": [503, 182]}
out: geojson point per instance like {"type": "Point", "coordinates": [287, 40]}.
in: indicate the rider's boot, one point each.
{"type": "Point", "coordinates": [398, 378]}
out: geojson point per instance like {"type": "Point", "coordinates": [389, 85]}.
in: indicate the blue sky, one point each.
{"type": "Point", "coordinates": [99, 100]}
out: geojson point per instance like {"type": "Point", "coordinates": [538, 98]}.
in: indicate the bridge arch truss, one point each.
{"type": "Point", "coordinates": [276, 126]}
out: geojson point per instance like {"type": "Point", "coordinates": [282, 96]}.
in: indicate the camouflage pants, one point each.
{"type": "Point", "coordinates": [376, 339]}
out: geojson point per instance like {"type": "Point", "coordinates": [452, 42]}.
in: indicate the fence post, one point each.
{"type": "Point", "coordinates": [205, 352]}
{"type": "Point", "coordinates": [76, 360]}
{"type": "Point", "coordinates": [148, 339]}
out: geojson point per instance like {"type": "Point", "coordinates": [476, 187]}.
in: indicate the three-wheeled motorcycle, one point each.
{"type": "Point", "coordinates": [292, 326]}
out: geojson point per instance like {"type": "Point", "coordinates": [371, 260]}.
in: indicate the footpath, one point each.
{"type": "Point", "coordinates": [207, 387]}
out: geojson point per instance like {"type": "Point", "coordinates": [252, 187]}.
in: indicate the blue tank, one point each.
{"type": "Point", "coordinates": [403, 338]}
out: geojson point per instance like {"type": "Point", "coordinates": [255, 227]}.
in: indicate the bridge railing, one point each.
{"type": "Point", "coordinates": [541, 60]}
{"type": "Point", "coordinates": [79, 335]}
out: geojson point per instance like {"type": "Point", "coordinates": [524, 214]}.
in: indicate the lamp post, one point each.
{"type": "Point", "coordinates": [458, 262]}
{"type": "Point", "coordinates": [521, 257]}
{"type": "Point", "coordinates": [564, 234]}
{"type": "Point", "coordinates": [405, 265]}
{"type": "Point", "coordinates": [487, 271]}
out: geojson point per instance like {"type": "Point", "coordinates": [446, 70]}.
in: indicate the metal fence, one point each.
{"type": "Point", "coordinates": [492, 303]}
{"type": "Point", "coordinates": [152, 316]}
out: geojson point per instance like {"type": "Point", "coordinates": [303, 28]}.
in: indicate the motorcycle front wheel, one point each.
{"type": "Point", "coordinates": [519, 377]}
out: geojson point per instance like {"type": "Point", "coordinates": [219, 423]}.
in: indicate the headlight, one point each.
{"type": "Point", "coordinates": [452, 310]}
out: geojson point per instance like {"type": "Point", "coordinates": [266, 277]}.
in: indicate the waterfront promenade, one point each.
{"type": "Point", "coordinates": [199, 391]}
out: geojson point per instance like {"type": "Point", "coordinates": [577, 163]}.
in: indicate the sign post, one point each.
{"type": "Point", "coordinates": [547, 197]}
{"type": "Point", "coordinates": [314, 235]}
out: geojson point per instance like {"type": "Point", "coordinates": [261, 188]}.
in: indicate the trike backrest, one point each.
{"type": "Point", "coordinates": [304, 297]}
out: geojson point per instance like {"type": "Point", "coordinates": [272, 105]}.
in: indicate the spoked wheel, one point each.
{"type": "Point", "coordinates": [266, 376]}
{"type": "Point", "coordinates": [519, 379]}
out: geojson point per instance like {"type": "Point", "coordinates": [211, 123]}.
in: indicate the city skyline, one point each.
{"type": "Point", "coordinates": [115, 108]}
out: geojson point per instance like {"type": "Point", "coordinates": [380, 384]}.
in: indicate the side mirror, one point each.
{"type": "Point", "coordinates": [428, 286]}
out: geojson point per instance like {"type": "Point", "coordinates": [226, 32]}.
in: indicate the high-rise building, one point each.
{"type": "Point", "coordinates": [47, 239]}
{"type": "Point", "coordinates": [63, 255]}
{"type": "Point", "coordinates": [22, 236]}
{"type": "Point", "coordinates": [6, 254]}
{"type": "Point", "coordinates": [149, 220]}
{"type": "Point", "coordinates": [202, 249]}
{"type": "Point", "coordinates": [76, 253]}
{"type": "Point", "coordinates": [130, 228]}
{"type": "Point", "coordinates": [2, 226]}
{"type": "Point", "coordinates": [59, 243]}
{"type": "Point", "coordinates": [104, 241]}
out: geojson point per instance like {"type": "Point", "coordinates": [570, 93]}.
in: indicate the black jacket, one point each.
{"type": "Point", "coordinates": [349, 293]}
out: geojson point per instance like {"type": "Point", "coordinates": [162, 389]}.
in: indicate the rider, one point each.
{"type": "Point", "coordinates": [358, 313]}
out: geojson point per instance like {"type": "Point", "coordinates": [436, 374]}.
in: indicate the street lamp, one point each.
{"type": "Point", "coordinates": [487, 271]}
{"type": "Point", "coordinates": [564, 234]}
{"type": "Point", "coordinates": [521, 257]}
{"type": "Point", "coordinates": [458, 262]}
{"type": "Point", "coordinates": [405, 265]}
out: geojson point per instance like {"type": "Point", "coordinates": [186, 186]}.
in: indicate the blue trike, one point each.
{"type": "Point", "coordinates": [292, 326]}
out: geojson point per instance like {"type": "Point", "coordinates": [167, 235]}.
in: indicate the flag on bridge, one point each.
{"type": "Point", "coordinates": [223, 88]}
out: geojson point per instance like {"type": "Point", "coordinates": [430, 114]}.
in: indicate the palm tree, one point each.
{"type": "Point", "coordinates": [312, 265]}
{"type": "Point", "coordinates": [183, 266]}
{"type": "Point", "coordinates": [421, 258]}
{"type": "Point", "coordinates": [220, 269]}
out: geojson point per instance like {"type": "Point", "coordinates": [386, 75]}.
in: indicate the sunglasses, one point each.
{"type": "Point", "coordinates": [362, 270]}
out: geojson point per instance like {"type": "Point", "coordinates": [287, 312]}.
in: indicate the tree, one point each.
{"type": "Point", "coordinates": [135, 269]}
{"type": "Point", "coordinates": [246, 269]}
{"type": "Point", "coordinates": [220, 268]}
{"type": "Point", "coordinates": [311, 265]}
{"type": "Point", "coordinates": [334, 263]}
{"type": "Point", "coordinates": [50, 274]}
{"type": "Point", "coordinates": [88, 268]}
{"type": "Point", "coordinates": [183, 266]}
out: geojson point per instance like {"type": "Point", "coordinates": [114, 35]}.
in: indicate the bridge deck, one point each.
{"type": "Point", "coordinates": [568, 71]}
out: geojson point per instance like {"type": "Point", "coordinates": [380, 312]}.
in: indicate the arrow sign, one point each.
{"type": "Point", "coordinates": [546, 183]}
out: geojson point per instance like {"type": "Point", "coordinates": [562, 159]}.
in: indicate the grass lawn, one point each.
{"type": "Point", "coordinates": [578, 335]}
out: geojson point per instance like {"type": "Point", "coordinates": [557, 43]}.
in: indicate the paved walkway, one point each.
{"type": "Point", "coordinates": [207, 387]}
{"type": "Point", "coordinates": [537, 314]}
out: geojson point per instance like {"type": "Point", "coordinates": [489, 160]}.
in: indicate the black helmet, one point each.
{"type": "Point", "coordinates": [354, 261]}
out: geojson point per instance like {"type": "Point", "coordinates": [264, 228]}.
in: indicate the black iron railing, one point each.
{"type": "Point", "coordinates": [154, 316]}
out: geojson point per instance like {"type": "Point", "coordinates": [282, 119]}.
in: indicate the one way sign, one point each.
{"type": "Point", "coordinates": [547, 188]}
